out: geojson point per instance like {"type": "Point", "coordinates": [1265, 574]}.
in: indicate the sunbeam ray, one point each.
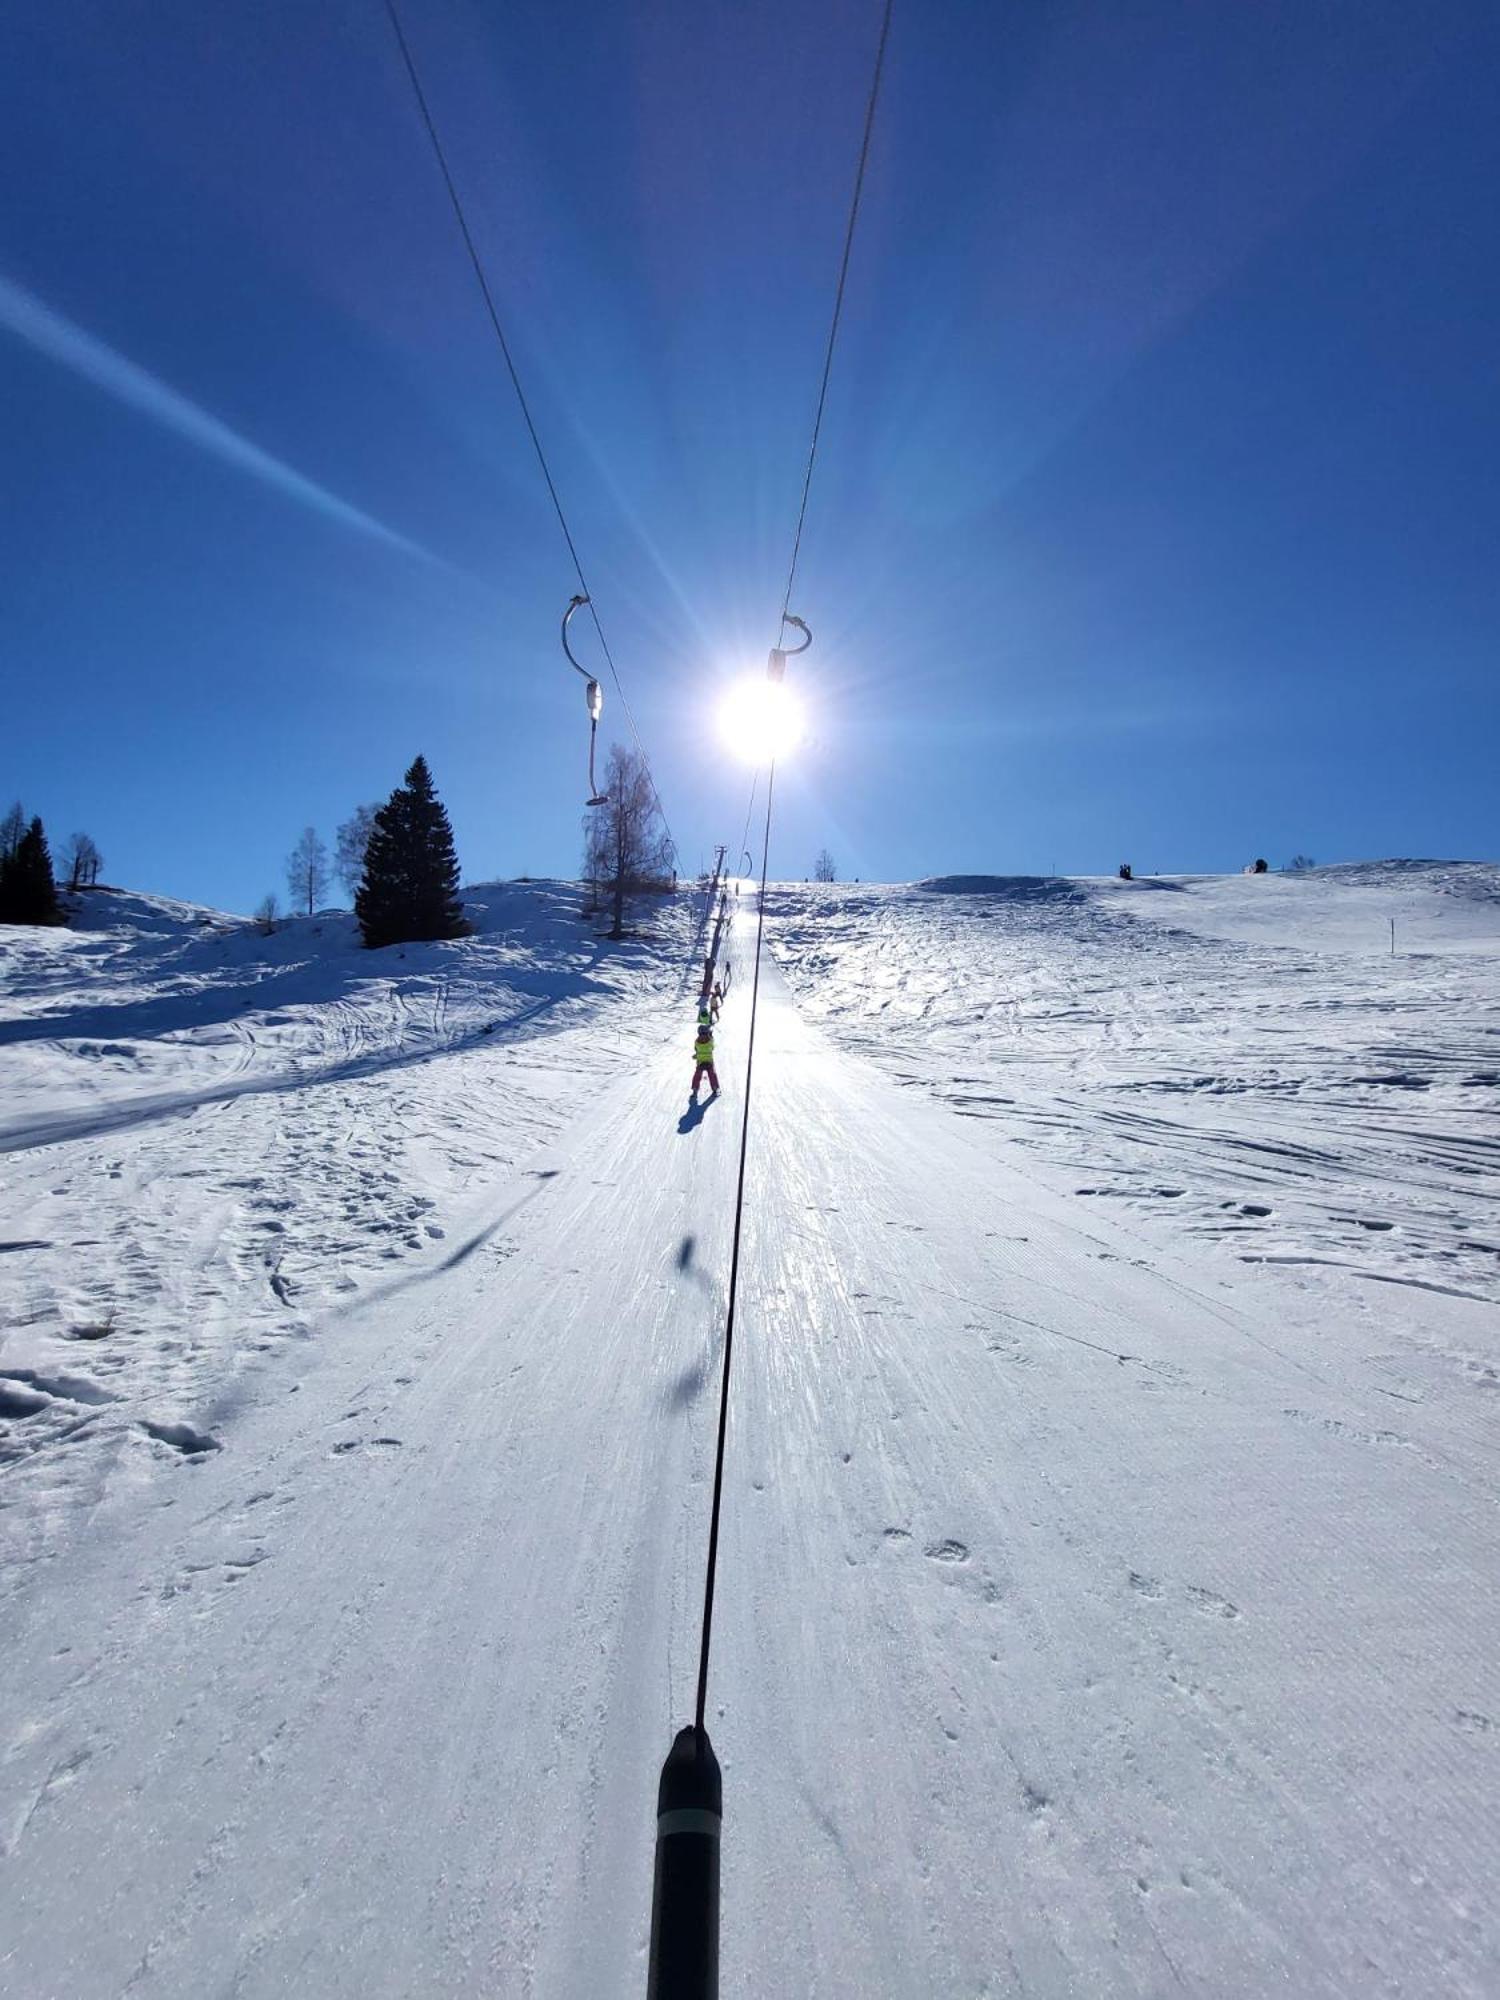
{"type": "Point", "coordinates": [36, 323]}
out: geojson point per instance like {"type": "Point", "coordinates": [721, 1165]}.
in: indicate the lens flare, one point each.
{"type": "Point", "coordinates": [760, 719]}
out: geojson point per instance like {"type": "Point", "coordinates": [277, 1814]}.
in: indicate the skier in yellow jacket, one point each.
{"type": "Point", "coordinates": [703, 1055]}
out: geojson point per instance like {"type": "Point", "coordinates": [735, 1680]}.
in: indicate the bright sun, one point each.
{"type": "Point", "coordinates": [760, 719]}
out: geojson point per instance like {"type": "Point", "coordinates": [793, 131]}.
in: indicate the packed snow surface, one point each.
{"type": "Point", "coordinates": [1107, 1592]}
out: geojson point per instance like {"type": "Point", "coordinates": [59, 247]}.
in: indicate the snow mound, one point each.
{"type": "Point", "coordinates": [1437, 907]}
{"type": "Point", "coordinates": [1010, 888]}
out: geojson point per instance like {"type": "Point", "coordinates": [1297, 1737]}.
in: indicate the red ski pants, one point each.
{"type": "Point", "coordinates": [705, 1070]}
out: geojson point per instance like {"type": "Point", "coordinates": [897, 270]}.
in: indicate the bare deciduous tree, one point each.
{"type": "Point", "coordinates": [349, 845]}
{"type": "Point", "coordinates": [1300, 864]}
{"type": "Point", "coordinates": [12, 827]}
{"type": "Point", "coordinates": [307, 870]}
{"type": "Point", "coordinates": [627, 848]}
{"type": "Point", "coordinates": [82, 860]}
{"type": "Point", "coordinates": [824, 868]}
{"type": "Point", "coordinates": [266, 913]}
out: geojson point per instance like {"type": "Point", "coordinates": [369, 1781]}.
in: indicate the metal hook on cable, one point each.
{"type": "Point", "coordinates": [593, 695]}
{"type": "Point", "coordinates": [776, 665]}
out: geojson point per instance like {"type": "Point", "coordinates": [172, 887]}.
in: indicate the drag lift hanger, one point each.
{"type": "Point", "coordinates": [776, 665]}
{"type": "Point", "coordinates": [594, 696]}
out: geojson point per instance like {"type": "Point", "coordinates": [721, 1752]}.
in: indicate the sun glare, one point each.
{"type": "Point", "coordinates": [760, 719]}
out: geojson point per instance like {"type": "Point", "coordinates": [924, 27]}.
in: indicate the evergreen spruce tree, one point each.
{"type": "Point", "coordinates": [410, 887]}
{"type": "Point", "coordinates": [28, 893]}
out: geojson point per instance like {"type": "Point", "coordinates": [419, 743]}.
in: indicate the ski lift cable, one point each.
{"type": "Point", "coordinates": [684, 1953]}
{"type": "Point", "coordinates": [734, 1272]}
{"type": "Point", "coordinates": [838, 302]}
{"type": "Point", "coordinates": [515, 380]}
{"type": "Point", "coordinates": [776, 668]}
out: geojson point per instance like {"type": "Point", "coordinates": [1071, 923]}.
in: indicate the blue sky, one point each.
{"type": "Point", "coordinates": [1159, 496]}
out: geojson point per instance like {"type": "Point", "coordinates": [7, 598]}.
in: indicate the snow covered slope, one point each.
{"type": "Point", "coordinates": [208, 1135]}
{"type": "Point", "coordinates": [1100, 1614]}
{"type": "Point", "coordinates": [1243, 1052]}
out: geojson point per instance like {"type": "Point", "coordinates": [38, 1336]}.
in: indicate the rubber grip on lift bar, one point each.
{"type": "Point", "coordinates": [685, 1896]}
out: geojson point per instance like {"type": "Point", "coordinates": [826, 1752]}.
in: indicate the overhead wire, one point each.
{"type": "Point", "coordinates": [838, 301]}
{"type": "Point", "coordinates": [716, 1507]}
{"type": "Point", "coordinates": [744, 847]}
{"type": "Point", "coordinates": [510, 365]}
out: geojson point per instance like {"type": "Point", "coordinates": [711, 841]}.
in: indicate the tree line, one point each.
{"type": "Point", "coordinates": [399, 864]}
{"type": "Point", "coordinates": [397, 860]}
{"type": "Point", "coordinates": [28, 881]}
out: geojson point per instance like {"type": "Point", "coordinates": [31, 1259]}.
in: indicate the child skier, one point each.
{"type": "Point", "coordinates": [703, 1056]}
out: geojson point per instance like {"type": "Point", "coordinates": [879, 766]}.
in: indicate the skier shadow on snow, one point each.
{"type": "Point", "coordinates": [690, 1383]}
{"type": "Point", "coordinates": [693, 1117]}
{"type": "Point", "coordinates": [687, 1251]}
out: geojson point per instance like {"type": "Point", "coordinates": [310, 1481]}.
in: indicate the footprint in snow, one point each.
{"type": "Point", "coordinates": [1210, 1603]}
{"type": "Point", "coordinates": [16, 1402]}
{"type": "Point", "coordinates": [183, 1438]}
{"type": "Point", "coordinates": [947, 1551]}
{"type": "Point", "coordinates": [71, 1388]}
{"type": "Point", "coordinates": [1336, 1427]}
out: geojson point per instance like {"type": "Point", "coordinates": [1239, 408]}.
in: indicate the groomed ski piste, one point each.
{"type": "Point", "coordinates": [1107, 1597]}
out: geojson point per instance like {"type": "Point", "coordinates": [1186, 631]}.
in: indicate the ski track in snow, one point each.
{"type": "Point", "coordinates": [1243, 1052]}
{"type": "Point", "coordinates": [209, 1136]}
{"type": "Point", "coordinates": [1100, 1613]}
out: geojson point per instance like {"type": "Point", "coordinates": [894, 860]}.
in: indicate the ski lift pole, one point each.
{"type": "Point", "coordinates": [684, 1962]}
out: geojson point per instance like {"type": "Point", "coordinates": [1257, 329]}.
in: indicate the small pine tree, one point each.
{"type": "Point", "coordinates": [410, 887]}
{"type": "Point", "coordinates": [28, 892]}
